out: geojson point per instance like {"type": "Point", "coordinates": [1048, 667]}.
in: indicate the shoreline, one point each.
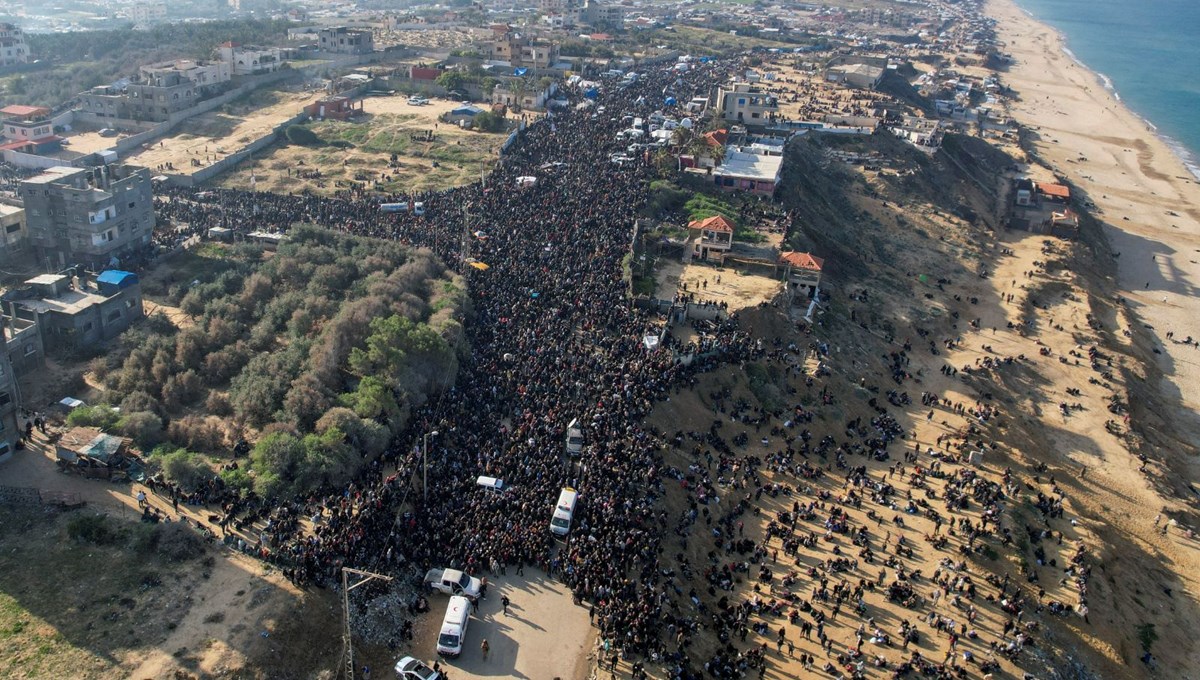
{"type": "Point", "coordinates": [1188, 157]}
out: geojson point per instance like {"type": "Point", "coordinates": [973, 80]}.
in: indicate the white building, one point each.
{"type": "Point", "coordinates": [248, 60]}
{"type": "Point", "coordinates": [148, 13]}
{"type": "Point", "coordinates": [13, 49]}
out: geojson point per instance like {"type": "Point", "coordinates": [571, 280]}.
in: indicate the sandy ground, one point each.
{"type": "Point", "coordinates": [214, 135]}
{"type": "Point", "coordinates": [230, 609]}
{"type": "Point", "coordinates": [91, 142]}
{"type": "Point", "coordinates": [1148, 200]}
{"type": "Point", "coordinates": [544, 635]}
{"type": "Point", "coordinates": [454, 158]}
{"type": "Point", "coordinates": [713, 284]}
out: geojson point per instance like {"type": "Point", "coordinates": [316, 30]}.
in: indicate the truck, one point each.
{"type": "Point", "coordinates": [574, 438]}
{"type": "Point", "coordinates": [417, 208]}
{"type": "Point", "coordinates": [453, 582]}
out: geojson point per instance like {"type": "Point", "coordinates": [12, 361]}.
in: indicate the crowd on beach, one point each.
{"type": "Point", "coordinates": [554, 338]}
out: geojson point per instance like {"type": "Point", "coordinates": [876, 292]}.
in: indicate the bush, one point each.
{"type": "Point", "coordinates": [177, 542]}
{"type": "Point", "coordinates": [101, 416]}
{"type": "Point", "coordinates": [187, 469]}
{"type": "Point", "coordinates": [197, 433]}
{"type": "Point", "coordinates": [302, 136]}
{"type": "Point", "coordinates": [143, 427]}
{"type": "Point", "coordinates": [93, 529]}
{"type": "Point", "coordinates": [490, 122]}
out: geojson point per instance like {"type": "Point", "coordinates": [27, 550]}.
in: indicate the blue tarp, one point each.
{"type": "Point", "coordinates": [520, 71]}
{"type": "Point", "coordinates": [117, 278]}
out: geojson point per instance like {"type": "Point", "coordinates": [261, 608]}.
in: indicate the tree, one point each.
{"type": "Point", "coordinates": [452, 79]}
{"type": "Point", "coordinates": [143, 427]}
{"type": "Point", "coordinates": [186, 469]}
{"type": "Point", "coordinates": [490, 122]}
{"type": "Point", "coordinates": [302, 136]}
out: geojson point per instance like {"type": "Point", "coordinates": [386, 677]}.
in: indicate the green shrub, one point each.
{"type": "Point", "coordinates": [100, 415]}
{"type": "Point", "coordinates": [94, 529]}
{"type": "Point", "coordinates": [143, 427]}
{"type": "Point", "coordinates": [186, 468]}
{"type": "Point", "coordinates": [302, 136]}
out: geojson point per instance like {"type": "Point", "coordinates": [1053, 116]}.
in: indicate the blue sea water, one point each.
{"type": "Point", "coordinates": [1148, 51]}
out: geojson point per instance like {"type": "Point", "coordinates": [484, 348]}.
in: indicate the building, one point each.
{"type": "Point", "coordinates": [337, 108]}
{"type": "Point", "coordinates": [28, 129]}
{"type": "Point", "coordinates": [746, 104]}
{"type": "Point", "coordinates": [525, 53]}
{"type": "Point", "coordinates": [802, 270]}
{"type": "Point", "coordinates": [343, 40]}
{"type": "Point", "coordinates": [742, 170]}
{"type": "Point", "coordinates": [515, 93]}
{"type": "Point", "coordinates": [14, 238]}
{"type": "Point", "coordinates": [249, 60]}
{"type": "Point", "coordinates": [148, 13]}
{"type": "Point", "coordinates": [159, 91]}
{"type": "Point", "coordinates": [611, 16]}
{"type": "Point", "coordinates": [713, 238]}
{"type": "Point", "coordinates": [862, 76]}
{"type": "Point", "coordinates": [13, 50]}
{"type": "Point", "coordinates": [76, 311]}
{"type": "Point", "coordinates": [23, 349]}
{"type": "Point", "coordinates": [88, 216]}
{"type": "Point", "coordinates": [10, 406]}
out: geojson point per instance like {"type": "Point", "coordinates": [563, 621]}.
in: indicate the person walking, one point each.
{"type": "Point", "coordinates": [485, 647]}
{"type": "Point", "coordinates": [141, 498]}
{"type": "Point", "coordinates": [504, 602]}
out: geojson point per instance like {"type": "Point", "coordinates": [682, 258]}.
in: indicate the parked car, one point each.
{"type": "Point", "coordinates": [453, 582]}
{"type": "Point", "coordinates": [409, 668]}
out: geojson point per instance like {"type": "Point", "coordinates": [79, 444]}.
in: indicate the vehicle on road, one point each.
{"type": "Point", "coordinates": [564, 510]}
{"type": "Point", "coordinates": [409, 668]}
{"type": "Point", "coordinates": [453, 582]}
{"type": "Point", "coordinates": [417, 208]}
{"type": "Point", "coordinates": [417, 100]}
{"type": "Point", "coordinates": [574, 438]}
{"type": "Point", "coordinates": [454, 627]}
{"type": "Point", "coordinates": [491, 483]}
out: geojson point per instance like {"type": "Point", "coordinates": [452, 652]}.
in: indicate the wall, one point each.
{"type": "Point", "coordinates": [204, 174]}
{"type": "Point", "coordinates": [26, 160]}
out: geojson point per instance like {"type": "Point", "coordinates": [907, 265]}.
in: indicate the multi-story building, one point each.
{"type": "Point", "coordinates": [159, 91]}
{"type": "Point", "coordinates": [13, 49]}
{"type": "Point", "coordinates": [148, 13]}
{"type": "Point", "coordinates": [524, 52]}
{"type": "Point", "coordinates": [10, 405]}
{"type": "Point", "coordinates": [344, 40]}
{"type": "Point", "coordinates": [746, 104]}
{"type": "Point", "coordinates": [77, 311]}
{"type": "Point", "coordinates": [611, 16]}
{"type": "Point", "coordinates": [14, 239]}
{"type": "Point", "coordinates": [28, 129]}
{"type": "Point", "coordinates": [248, 60]}
{"type": "Point", "coordinates": [87, 216]}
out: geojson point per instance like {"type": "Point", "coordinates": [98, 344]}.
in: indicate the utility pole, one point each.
{"type": "Point", "coordinates": [425, 466]}
{"type": "Point", "coordinates": [347, 643]}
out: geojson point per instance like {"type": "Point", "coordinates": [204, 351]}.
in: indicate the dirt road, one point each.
{"type": "Point", "coordinates": [544, 635]}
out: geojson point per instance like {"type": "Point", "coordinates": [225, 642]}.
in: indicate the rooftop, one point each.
{"type": "Point", "coordinates": [6, 210]}
{"type": "Point", "coordinates": [750, 166]}
{"type": "Point", "coordinates": [714, 223]}
{"type": "Point", "coordinates": [802, 260]}
{"type": "Point", "coordinates": [52, 175]}
{"type": "Point", "coordinates": [22, 111]}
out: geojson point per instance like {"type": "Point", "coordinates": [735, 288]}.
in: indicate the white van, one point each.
{"type": "Point", "coordinates": [491, 483]}
{"type": "Point", "coordinates": [574, 438]}
{"type": "Point", "coordinates": [454, 627]}
{"type": "Point", "coordinates": [560, 523]}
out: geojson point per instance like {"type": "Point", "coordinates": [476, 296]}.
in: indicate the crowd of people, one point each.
{"type": "Point", "coordinates": [554, 338]}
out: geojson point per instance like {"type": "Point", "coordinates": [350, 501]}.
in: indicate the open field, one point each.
{"type": "Point", "coordinates": [361, 151]}
{"type": "Point", "coordinates": [212, 136]}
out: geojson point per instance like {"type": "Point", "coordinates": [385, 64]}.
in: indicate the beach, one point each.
{"type": "Point", "coordinates": [1144, 194]}
{"type": "Point", "coordinates": [1149, 205]}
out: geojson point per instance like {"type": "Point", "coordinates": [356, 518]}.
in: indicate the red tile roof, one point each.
{"type": "Point", "coordinates": [717, 137]}
{"type": "Point", "coordinates": [802, 260]}
{"type": "Point", "coordinates": [21, 110]}
{"type": "Point", "coordinates": [714, 223]}
{"type": "Point", "coordinates": [1056, 190]}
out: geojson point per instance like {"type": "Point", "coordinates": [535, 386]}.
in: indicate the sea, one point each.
{"type": "Point", "coordinates": [1146, 51]}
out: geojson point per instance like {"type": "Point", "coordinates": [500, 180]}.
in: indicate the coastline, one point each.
{"type": "Point", "coordinates": [1147, 201]}
{"type": "Point", "coordinates": [1190, 158]}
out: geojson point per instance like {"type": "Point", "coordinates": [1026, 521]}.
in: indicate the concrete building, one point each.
{"type": "Point", "coordinates": [13, 49]}
{"type": "Point", "coordinates": [713, 238]}
{"type": "Point", "coordinates": [802, 270]}
{"type": "Point", "coordinates": [512, 94]}
{"type": "Point", "coordinates": [343, 40]}
{"type": "Point", "coordinates": [14, 238]}
{"type": "Point", "coordinates": [160, 90]}
{"type": "Point", "coordinates": [10, 406]}
{"type": "Point", "coordinates": [746, 104]}
{"type": "Point", "coordinates": [28, 129]}
{"type": "Point", "coordinates": [146, 14]}
{"type": "Point", "coordinates": [76, 311]}
{"type": "Point", "coordinates": [742, 170]}
{"type": "Point", "coordinates": [337, 108]}
{"type": "Point", "coordinates": [88, 216]}
{"type": "Point", "coordinates": [601, 14]}
{"type": "Point", "coordinates": [525, 52]}
{"type": "Point", "coordinates": [856, 70]}
{"type": "Point", "coordinates": [249, 60]}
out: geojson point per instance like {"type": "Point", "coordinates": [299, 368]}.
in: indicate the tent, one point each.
{"type": "Point", "coordinates": [526, 181]}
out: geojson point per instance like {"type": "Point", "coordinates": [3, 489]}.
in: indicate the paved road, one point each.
{"type": "Point", "coordinates": [545, 636]}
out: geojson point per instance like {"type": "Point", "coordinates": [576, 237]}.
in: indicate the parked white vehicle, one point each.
{"type": "Point", "coordinates": [453, 582]}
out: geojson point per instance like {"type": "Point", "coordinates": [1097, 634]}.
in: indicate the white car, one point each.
{"type": "Point", "coordinates": [417, 101]}
{"type": "Point", "coordinates": [409, 668]}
